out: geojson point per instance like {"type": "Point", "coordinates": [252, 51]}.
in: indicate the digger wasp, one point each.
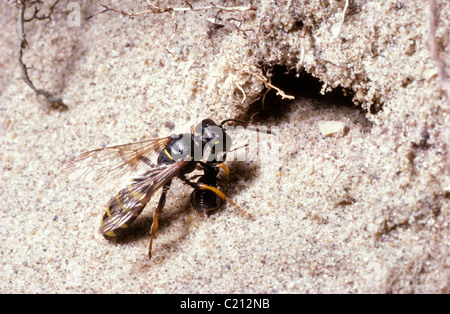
{"type": "Point", "coordinates": [176, 156]}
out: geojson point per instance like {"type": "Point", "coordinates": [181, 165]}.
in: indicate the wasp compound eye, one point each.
{"type": "Point", "coordinates": [206, 123]}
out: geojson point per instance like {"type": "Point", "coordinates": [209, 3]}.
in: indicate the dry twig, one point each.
{"type": "Point", "coordinates": [270, 86]}
{"type": "Point", "coordinates": [435, 51]}
{"type": "Point", "coordinates": [338, 29]}
{"type": "Point", "coordinates": [23, 4]}
{"type": "Point", "coordinates": [442, 73]}
{"type": "Point", "coordinates": [242, 91]}
{"type": "Point", "coordinates": [153, 9]}
{"type": "Point", "coordinates": [302, 47]}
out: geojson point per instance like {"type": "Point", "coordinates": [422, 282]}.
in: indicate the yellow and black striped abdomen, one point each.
{"type": "Point", "coordinates": [114, 209]}
{"type": "Point", "coordinates": [122, 210]}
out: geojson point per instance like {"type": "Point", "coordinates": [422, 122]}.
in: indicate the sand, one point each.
{"type": "Point", "coordinates": [360, 211]}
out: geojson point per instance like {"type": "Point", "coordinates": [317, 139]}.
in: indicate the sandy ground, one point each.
{"type": "Point", "coordinates": [362, 211]}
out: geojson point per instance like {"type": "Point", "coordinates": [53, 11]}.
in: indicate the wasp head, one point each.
{"type": "Point", "coordinates": [213, 135]}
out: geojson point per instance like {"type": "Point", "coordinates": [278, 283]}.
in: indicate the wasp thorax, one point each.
{"type": "Point", "coordinates": [182, 149]}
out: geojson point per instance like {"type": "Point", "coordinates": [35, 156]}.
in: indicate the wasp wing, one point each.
{"type": "Point", "coordinates": [113, 162]}
{"type": "Point", "coordinates": [137, 194]}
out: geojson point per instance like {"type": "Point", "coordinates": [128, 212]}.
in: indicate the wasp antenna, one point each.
{"type": "Point", "coordinates": [246, 124]}
{"type": "Point", "coordinates": [241, 122]}
{"type": "Point", "coordinates": [258, 129]}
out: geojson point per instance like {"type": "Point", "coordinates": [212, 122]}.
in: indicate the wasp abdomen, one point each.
{"type": "Point", "coordinates": [206, 201]}
{"type": "Point", "coordinates": [113, 210]}
{"type": "Point", "coordinates": [127, 200]}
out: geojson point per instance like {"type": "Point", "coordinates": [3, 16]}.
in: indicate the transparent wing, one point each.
{"type": "Point", "coordinates": [138, 193]}
{"type": "Point", "coordinates": [115, 161]}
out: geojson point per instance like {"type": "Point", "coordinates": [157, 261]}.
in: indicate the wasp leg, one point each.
{"type": "Point", "coordinates": [220, 165]}
{"type": "Point", "coordinates": [202, 186]}
{"type": "Point", "coordinates": [161, 203]}
{"type": "Point", "coordinates": [225, 168]}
